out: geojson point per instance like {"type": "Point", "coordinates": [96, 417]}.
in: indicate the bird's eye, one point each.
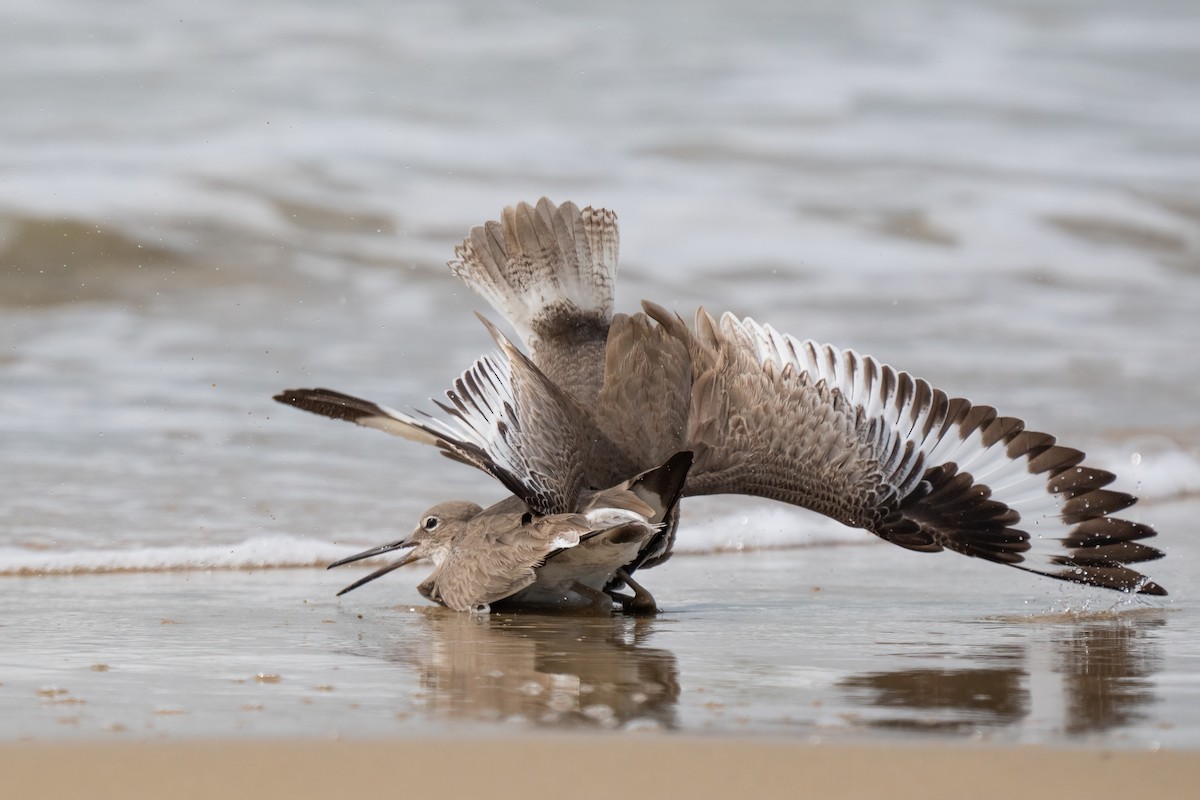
{"type": "Point", "coordinates": [430, 523]}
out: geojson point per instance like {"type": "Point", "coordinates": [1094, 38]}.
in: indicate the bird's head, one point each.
{"type": "Point", "coordinates": [430, 539]}
{"type": "Point", "coordinates": [437, 528]}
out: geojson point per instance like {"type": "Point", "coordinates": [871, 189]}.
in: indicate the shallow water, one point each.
{"type": "Point", "coordinates": [200, 208]}
{"type": "Point", "coordinates": [828, 644]}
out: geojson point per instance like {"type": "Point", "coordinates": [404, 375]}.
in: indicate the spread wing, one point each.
{"type": "Point", "coordinates": [873, 447]}
{"type": "Point", "coordinates": [502, 416]}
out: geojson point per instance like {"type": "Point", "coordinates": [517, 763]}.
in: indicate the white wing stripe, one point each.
{"type": "Point", "coordinates": [907, 423]}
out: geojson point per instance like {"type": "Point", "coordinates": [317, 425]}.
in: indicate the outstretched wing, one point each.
{"type": "Point", "coordinates": [859, 441]}
{"type": "Point", "coordinates": [503, 416]}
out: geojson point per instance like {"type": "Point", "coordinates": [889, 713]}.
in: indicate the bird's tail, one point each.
{"type": "Point", "coordinates": [661, 488]}
{"type": "Point", "coordinates": [548, 269]}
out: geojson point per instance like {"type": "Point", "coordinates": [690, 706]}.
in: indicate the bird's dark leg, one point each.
{"type": "Point", "coordinates": [641, 603]}
{"type": "Point", "coordinates": [601, 601]}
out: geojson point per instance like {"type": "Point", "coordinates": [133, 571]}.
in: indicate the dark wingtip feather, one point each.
{"type": "Point", "coordinates": [330, 403]}
{"type": "Point", "coordinates": [1105, 576]}
{"type": "Point", "coordinates": [950, 510]}
{"type": "Point", "coordinates": [1152, 588]}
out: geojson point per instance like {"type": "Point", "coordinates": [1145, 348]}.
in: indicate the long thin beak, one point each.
{"type": "Point", "coordinates": [408, 559]}
{"type": "Point", "coordinates": [399, 544]}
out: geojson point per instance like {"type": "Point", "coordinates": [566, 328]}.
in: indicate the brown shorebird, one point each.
{"type": "Point", "coordinates": [732, 405]}
{"type": "Point", "coordinates": [506, 555]}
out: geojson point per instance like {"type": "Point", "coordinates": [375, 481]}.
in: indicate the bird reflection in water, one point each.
{"type": "Point", "coordinates": [1108, 671]}
{"type": "Point", "coordinates": [941, 699]}
{"type": "Point", "coordinates": [557, 670]}
{"type": "Point", "coordinates": [1099, 667]}
{"type": "Point", "coordinates": [1073, 675]}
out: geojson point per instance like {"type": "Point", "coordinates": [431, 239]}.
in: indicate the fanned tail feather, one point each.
{"type": "Point", "coordinates": [544, 267]}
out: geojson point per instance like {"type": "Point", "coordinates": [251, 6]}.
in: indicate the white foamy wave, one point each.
{"type": "Point", "coordinates": [715, 530]}
{"type": "Point", "coordinates": [721, 525]}
{"type": "Point", "coordinates": [260, 552]}
{"type": "Point", "coordinates": [1151, 468]}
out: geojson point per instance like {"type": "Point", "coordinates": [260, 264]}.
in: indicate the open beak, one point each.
{"type": "Point", "coordinates": [399, 544]}
{"type": "Point", "coordinates": [377, 551]}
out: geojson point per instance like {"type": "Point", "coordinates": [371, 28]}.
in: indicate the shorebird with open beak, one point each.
{"type": "Point", "coordinates": [726, 406]}
{"type": "Point", "coordinates": [504, 556]}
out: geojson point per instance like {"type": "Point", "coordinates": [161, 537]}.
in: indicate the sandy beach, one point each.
{"type": "Point", "coordinates": [584, 767]}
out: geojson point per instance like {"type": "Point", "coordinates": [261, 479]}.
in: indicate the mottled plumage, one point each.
{"type": "Point", "coordinates": [604, 397]}
{"type": "Point", "coordinates": [561, 560]}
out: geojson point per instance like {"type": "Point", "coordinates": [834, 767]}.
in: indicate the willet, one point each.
{"type": "Point", "coordinates": [727, 406]}
{"type": "Point", "coordinates": [507, 554]}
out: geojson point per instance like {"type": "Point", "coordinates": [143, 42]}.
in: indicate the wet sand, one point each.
{"type": "Point", "coordinates": [828, 672]}
{"type": "Point", "coordinates": [582, 767]}
{"type": "Point", "coordinates": [846, 645]}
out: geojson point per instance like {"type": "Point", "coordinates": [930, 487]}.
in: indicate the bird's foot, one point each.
{"type": "Point", "coordinates": [640, 604]}
{"type": "Point", "coordinates": [601, 602]}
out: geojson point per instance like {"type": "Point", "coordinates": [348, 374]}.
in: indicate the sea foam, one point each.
{"type": "Point", "coordinates": [1156, 473]}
